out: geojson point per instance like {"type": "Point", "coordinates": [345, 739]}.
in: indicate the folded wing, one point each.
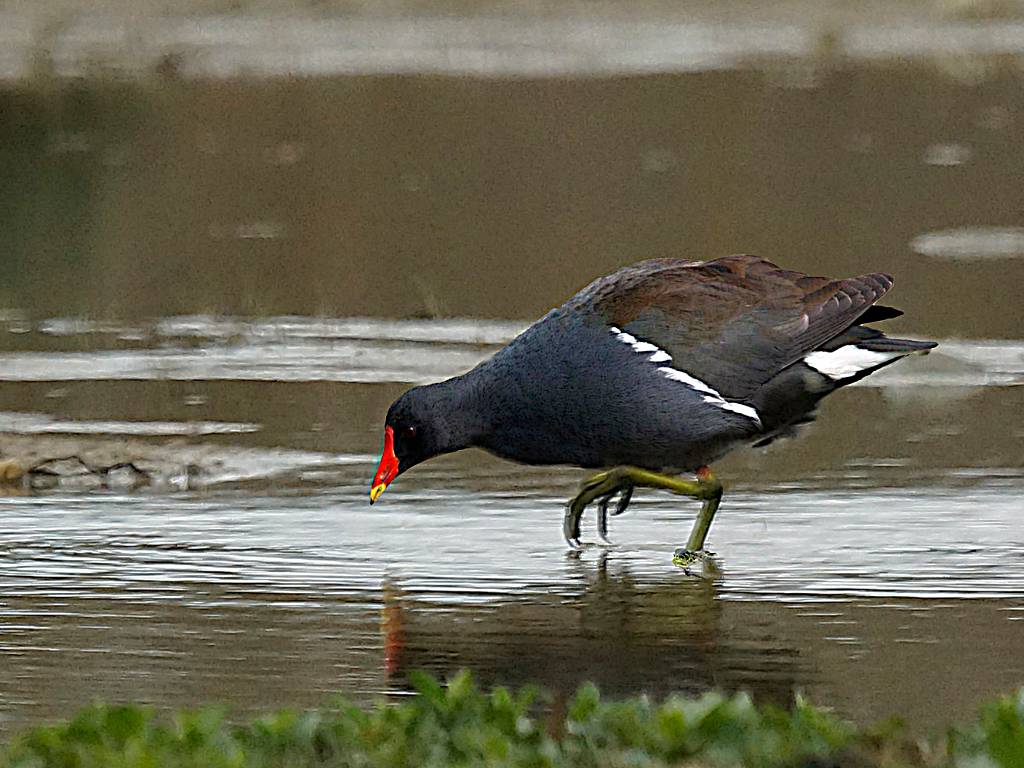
{"type": "Point", "coordinates": [737, 321]}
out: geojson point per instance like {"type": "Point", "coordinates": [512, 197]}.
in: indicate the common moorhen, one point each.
{"type": "Point", "coordinates": [655, 370]}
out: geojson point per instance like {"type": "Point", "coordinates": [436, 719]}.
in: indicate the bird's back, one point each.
{"type": "Point", "coordinates": [669, 364]}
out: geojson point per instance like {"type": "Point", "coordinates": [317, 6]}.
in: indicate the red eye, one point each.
{"type": "Point", "coordinates": [408, 433]}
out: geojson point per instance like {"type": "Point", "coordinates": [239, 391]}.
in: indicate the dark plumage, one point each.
{"type": "Point", "coordinates": [665, 365]}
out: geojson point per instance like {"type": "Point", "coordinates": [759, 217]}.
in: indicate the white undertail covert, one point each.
{"type": "Point", "coordinates": [848, 361]}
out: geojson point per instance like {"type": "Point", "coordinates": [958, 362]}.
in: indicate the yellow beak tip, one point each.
{"type": "Point", "coordinates": [376, 491]}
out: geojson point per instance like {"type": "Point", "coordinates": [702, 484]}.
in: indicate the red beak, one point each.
{"type": "Point", "coordinates": [388, 468]}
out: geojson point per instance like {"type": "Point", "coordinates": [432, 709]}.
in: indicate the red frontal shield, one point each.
{"type": "Point", "coordinates": [388, 468]}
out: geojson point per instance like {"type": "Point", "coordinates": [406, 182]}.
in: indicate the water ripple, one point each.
{"type": "Point", "coordinates": [948, 543]}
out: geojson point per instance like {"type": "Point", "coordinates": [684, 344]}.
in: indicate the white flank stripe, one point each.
{"type": "Point", "coordinates": [657, 355]}
{"type": "Point", "coordinates": [711, 395]}
{"type": "Point", "coordinates": [644, 347]}
{"type": "Point", "coordinates": [847, 361]}
{"type": "Point", "coordinates": [677, 375]}
{"type": "Point", "coordinates": [740, 408]}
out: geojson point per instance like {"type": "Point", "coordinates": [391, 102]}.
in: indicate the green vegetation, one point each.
{"type": "Point", "coordinates": [457, 725]}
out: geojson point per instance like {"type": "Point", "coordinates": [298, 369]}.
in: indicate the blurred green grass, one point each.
{"type": "Point", "coordinates": [456, 724]}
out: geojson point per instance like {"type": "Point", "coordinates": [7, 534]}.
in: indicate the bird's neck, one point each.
{"type": "Point", "coordinates": [458, 407]}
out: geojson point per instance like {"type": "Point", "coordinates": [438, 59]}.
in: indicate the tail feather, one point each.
{"type": "Point", "coordinates": [874, 340]}
{"type": "Point", "coordinates": [789, 398]}
{"type": "Point", "coordinates": [876, 313]}
{"type": "Point", "coordinates": [903, 346]}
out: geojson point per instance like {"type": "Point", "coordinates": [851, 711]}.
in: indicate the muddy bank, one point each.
{"type": "Point", "coordinates": [41, 462]}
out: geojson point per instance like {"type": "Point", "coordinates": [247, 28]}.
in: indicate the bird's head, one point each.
{"type": "Point", "coordinates": [417, 428]}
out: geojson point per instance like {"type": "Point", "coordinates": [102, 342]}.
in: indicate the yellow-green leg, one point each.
{"type": "Point", "coordinates": [604, 485]}
{"type": "Point", "coordinates": [711, 493]}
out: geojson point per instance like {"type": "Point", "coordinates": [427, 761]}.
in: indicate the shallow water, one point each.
{"type": "Point", "coordinates": [226, 282]}
{"type": "Point", "coordinates": [877, 602]}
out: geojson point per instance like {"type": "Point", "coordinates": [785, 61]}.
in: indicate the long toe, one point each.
{"type": "Point", "coordinates": [571, 526]}
{"type": "Point", "coordinates": [625, 497]}
{"type": "Point", "coordinates": [602, 520]}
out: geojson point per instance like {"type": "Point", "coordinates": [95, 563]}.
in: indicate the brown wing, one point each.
{"type": "Point", "coordinates": [733, 322]}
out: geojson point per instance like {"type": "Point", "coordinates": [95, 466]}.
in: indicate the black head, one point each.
{"type": "Point", "coordinates": [420, 424]}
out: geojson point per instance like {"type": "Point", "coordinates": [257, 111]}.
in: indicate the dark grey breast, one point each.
{"type": "Point", "coordinates": [734, 322]}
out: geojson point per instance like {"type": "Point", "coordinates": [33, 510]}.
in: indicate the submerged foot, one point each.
{"type": "Point", "coordinates": [688, 558]}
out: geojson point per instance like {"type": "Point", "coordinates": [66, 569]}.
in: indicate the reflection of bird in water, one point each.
{"type": "Point", "coordinates": [624, 635]}
{"type": "Point", "coordinates": [655, 370]}
{"type": "Point", "coordinates": [392, 629]}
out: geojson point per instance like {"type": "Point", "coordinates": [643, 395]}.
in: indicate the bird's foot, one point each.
{"type": "Point", "coordinates": [601, 487]}
{"type": "Point", "coordinates": [625, 495]}
{"type": "Point", "coordinates": [688, 559]}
